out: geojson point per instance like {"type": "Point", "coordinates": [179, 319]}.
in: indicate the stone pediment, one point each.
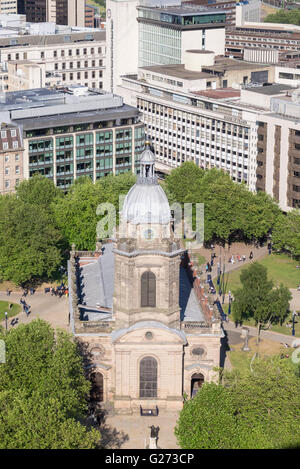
{"type": "Point", "coordinates": [149, 332]}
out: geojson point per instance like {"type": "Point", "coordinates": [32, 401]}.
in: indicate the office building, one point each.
{"type": "Point", "coordinates": [51, 55]}
{"type": "Point", "coordinates": [11, 157]}
{"type": "Point", "coordinates": [75, 131]}
{"type": "Point", "coordinates": [192, 112]}
{"type": "Point", "coordinates": [278, 142]}
{"type": "Point", "coordinates": [157, 32]}
{"type": "Point", "coordinates": [264, 43]}
{"type": "Point", "coordinates": [8, 7]}
{"type": "Point", "coordinates": [65, 12]}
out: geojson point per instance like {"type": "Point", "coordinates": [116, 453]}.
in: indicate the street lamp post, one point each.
{"type": "Point", "coordinates": [5, 320]}
{"type": "Point", "coordinates": [293, 328]}
{"type": "Point", "coordinates": [223, 299]}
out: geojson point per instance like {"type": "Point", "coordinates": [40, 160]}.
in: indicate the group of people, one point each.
{"type": "Point", "coordinates": [26, 307]}
{"type": "Point", "coordinates": [239, 258]}
{"type": "Point", "coordinates": [59, 291]}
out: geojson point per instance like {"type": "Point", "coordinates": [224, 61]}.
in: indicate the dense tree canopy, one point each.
{"type": "Point", "coordinates": [39, 223]}
{"type": "Point", "coordinates": [284, 16]}
{"type": "Point", "coordinates": [38, 190]}
{"type": "Point", "coordinates": [231, 211]}
{"type": "Point", "coordinates": [30, 243]}
{"type": "Point", "coordinates": [286, 233]}
{"type": "Point", "coordinates": [43, 391]}
{"type": "Point", "coordinates": [259, 300]}
{"type": "Point", "coordinates": [256, 409]}
{"type": "Point", "coordinates": [75, 214]}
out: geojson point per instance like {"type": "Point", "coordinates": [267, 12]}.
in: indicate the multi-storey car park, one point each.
{"type": "Point", "coordinates": [72, 132]}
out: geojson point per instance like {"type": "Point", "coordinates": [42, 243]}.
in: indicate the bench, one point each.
{"type": "Point", "coordinates": [149, 412]}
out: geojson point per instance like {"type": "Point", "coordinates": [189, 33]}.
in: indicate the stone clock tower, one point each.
{"type": "Point", "coordinates": [147, 257]}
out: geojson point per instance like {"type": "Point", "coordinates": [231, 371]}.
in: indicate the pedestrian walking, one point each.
{"type": "Point", "coordinates": [251, 255]}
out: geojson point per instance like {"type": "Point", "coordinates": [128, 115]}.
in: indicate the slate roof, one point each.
{"type": "Point", "coordinates": [97, 287]}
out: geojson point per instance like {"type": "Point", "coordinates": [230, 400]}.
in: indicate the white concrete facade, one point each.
{"type": "Point", "coordinates": [222, 135]}
{"type": "Point", "coordinates": [121, 41]}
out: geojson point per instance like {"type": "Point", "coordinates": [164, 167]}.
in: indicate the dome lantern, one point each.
{"type": "Point", "coordinates": [147, 161]}
{"type": "Point", "coordinates": [146, 202]}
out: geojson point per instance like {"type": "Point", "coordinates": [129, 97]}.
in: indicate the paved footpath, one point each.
{"type": "Point", "coordinates": [274, 336]}
{"type": "Point", "coordinates": [224, 254]}
{"type": "Point", "coordinates": [132, 431]}
{"type": "Point", "coordinates": [50, 308]}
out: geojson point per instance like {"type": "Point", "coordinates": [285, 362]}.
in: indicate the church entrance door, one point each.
{"type": "Point", "coordinates": [196, 382]}
{"type": "Point", "coordinates": [97, 387]}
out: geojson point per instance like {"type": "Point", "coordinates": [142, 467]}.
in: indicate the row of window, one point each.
{"type": "Point", "coordinates": [7, 170]}
{"type": "Point", "coordinates": [5, 145]}
{"type": "Point", "coordinates": [81, 140]}
{"type": "Point", "coordinates": [7, 183]}
{"type": "Point", "coordinates": [8, 157]}
{"type": "Point", "coordinates": [61, 53]}
{"type": "Point", "coordinates": [84, 64]}
{"type": "Point", "coordinates": [5, 133]}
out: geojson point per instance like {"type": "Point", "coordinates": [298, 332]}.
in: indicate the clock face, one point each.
{"type": "Point", "coordinates": [149, 234]}
{"type": "Point", "coordinates": [108, 13]}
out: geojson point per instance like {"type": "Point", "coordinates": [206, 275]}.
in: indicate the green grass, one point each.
{"type": "Point", "coordinates": [281, 269]}
{"type": "Point", "coordinates": [240, 360]}
{"type": "Point", "coordinates": [5, 307]}
{"type": "Point", "coordinates": [201, 260]}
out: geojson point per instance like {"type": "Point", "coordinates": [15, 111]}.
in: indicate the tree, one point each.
{"type": "Point", "coordinates": [231, 211]}
{"type": "Point", "coordinates": [30, 243]}
{"type": "Point", "coordinates": [248, 410]}
{"type": "Point", "coordinates": [257, 298]}
{"type": "Point", "coordinates": [75, 214]}
{"type": "Point", "coordinates": [285, 17]}
{"type": "Point", "coordinates": [183, 181]}
{"type": "Point", "coordinates": [38, 190]}
{"type": "Point", "coordinates": [43, 391]}
{"type": "Point", "coordinates": [207, 421]}
{"type": "Point", "coordinates": [286, 233]}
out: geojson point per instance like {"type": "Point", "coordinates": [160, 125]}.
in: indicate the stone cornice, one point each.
{"type": "Point", "coordinates": [149, 253]}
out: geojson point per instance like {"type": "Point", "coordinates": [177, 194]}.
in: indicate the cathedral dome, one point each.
{"type": "Point", "coordinates": [146, 202]}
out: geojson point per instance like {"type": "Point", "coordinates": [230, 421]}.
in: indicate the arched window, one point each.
{"type": "Point", "coordinates": [96, 393]}
{"type": "Point", "coordinates": [148, 377]}
{"type": "Point", "coordinates": [148, 289]}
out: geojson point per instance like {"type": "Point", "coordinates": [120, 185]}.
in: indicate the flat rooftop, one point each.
{"type": "Point", "coordinates": [222, 64]}
{"type": "Point", "coordinates": [59, 37]}
{"type": "Point", "coordinates": [72, 118]}
{"type": "Point", "coordinates": [270, 90]}
{"type": "Point", "coordinates": [177, 71]}
{"type": "Point", "coordinates": [183, 10]}
{"type": "Point", "coordinates": [220, 93]}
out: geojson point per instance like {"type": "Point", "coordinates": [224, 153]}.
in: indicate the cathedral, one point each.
{"type": "Point", "coordinates": [150, 338]}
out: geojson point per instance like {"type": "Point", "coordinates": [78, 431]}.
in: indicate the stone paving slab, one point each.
{"type": "Point", "coordinates": [132, 431]}
{"type": "Point", "coordinates": [50, 308]}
